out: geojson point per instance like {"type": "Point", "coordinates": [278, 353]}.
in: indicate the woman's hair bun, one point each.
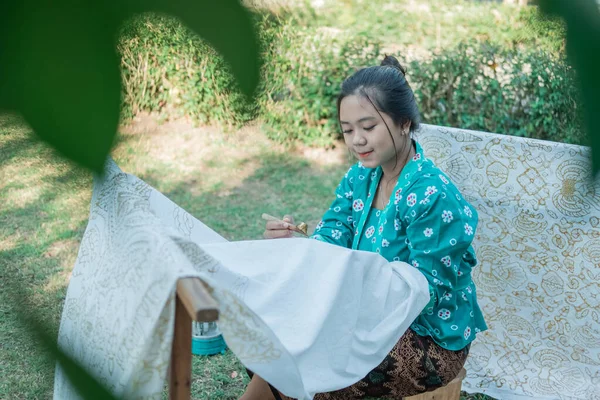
{"type": "Point", "coordinates": [391, 61]}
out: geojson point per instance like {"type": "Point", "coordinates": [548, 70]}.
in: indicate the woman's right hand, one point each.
{"type": "Point", "coordinates": [278, 230]}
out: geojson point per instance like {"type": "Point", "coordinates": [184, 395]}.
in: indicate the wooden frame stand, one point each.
{"type": "Point", "coordinates": [193, 302]}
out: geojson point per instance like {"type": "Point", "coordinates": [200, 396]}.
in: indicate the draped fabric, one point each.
{"type": "Point", "coordinates": [311, 317]}
{"type": "Point", "coordinates": [538, 246]}
{"type": "Point", "coordinates": [307, 316]}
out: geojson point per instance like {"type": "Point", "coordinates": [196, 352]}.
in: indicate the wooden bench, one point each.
{"type": "Point", "coordinates": [449, 392]}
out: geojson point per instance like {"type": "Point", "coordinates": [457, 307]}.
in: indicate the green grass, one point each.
{"type": "Point", "coordinates": [421, 27]}
{"type": "Point", "coordinates": [227, 181]}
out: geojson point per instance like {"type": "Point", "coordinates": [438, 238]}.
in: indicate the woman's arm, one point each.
{"type": "Point", "coordinates": [440, 229]}
{"type": "Point", "coordinates": [336, 225]}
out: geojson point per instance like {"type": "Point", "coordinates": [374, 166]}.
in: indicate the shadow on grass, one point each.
{"type": "Point", "coordinates": [281, 184]}
{"type": "Point", "coordinates": [28, 231]}
{"type": "Point", "coordinates": [15, 147]}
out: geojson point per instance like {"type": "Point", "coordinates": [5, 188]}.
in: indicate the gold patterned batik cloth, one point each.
{"type": "Point", "coordinates": [307, 316]}
{"type": "Point", "coordinates": [538, 278]}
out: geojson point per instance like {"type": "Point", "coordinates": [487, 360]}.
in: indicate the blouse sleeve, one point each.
{"type": "Point", "coordinates": [336, 225]}
{"type": "Point", "coordinates": [440, 229]}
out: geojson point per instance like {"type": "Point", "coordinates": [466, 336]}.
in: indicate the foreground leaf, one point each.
{"type": "Point", "coordinates": [62, 74]}
{"type": "Point", "coordinates": [85, 384]}
{"type": "Point", "coordinates": [226, 25]}
{"type": "Point", "coordinates": [59, 67]}
{"type": "Point", "coordinates": [582, 18]}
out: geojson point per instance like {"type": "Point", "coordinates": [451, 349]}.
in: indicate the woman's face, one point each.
{"type": "Point", "coordinates": [366, 134]}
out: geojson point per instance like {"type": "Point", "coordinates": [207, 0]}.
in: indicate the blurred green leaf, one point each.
{"type": "Point", "coordinates": [86, 385]}
{"type": "Point", "coordinates": [83, 382]}
{"type": "Point", "coordinates": [60, 70]}
{"type": "Point", "coordinates": [225, 24]}
{"type": "Point", "coordinates": [582, 18]}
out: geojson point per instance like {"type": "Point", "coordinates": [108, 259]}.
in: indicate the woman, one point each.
{"type": "Point", "coordinates": [396, 202]}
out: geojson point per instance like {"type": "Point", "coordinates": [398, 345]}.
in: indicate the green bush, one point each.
{"type": "Point", "coordinates": [306, 68]}
{"type": "Point", "coordinates": [519, 84]}
{"type": "Point", "coordinates": [541, 31]}
{"type": "Point", "coordinates": [474, 86]}
{"type": "Point", "coordinates": [168, 70]}
{"type": "Point", "coordinates": [482, 87]}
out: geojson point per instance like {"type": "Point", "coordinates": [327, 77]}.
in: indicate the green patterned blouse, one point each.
{"type": "Point", "coordinates": [427, 224]}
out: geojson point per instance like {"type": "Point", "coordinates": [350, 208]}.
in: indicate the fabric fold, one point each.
{"type": "Point", "coordinates": [307, 316]}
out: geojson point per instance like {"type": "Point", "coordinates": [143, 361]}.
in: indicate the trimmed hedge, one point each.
{"type": "Point", "coordinates": [497, 87]}
{"type": "Point", "coordinates": [167, 69]}
{"type": "Point", "coordinates": [483, 87]}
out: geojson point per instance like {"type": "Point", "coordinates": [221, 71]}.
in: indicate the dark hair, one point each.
{"type": "Point", "coordinates": [385, 86]}
{"type": "Point", "coordinates": [387, 90]}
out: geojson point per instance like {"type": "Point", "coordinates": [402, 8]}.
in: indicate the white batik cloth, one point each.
{"type": "Point", "coordinates": [307, 316]}
{"type": "Point", "coordinates": [538, 278]}
{"type": "Point", "coordinates": [538, 246]}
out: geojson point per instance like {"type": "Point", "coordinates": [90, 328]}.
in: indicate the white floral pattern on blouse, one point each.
{"type": "Point", "coordinates": [433, 229]}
